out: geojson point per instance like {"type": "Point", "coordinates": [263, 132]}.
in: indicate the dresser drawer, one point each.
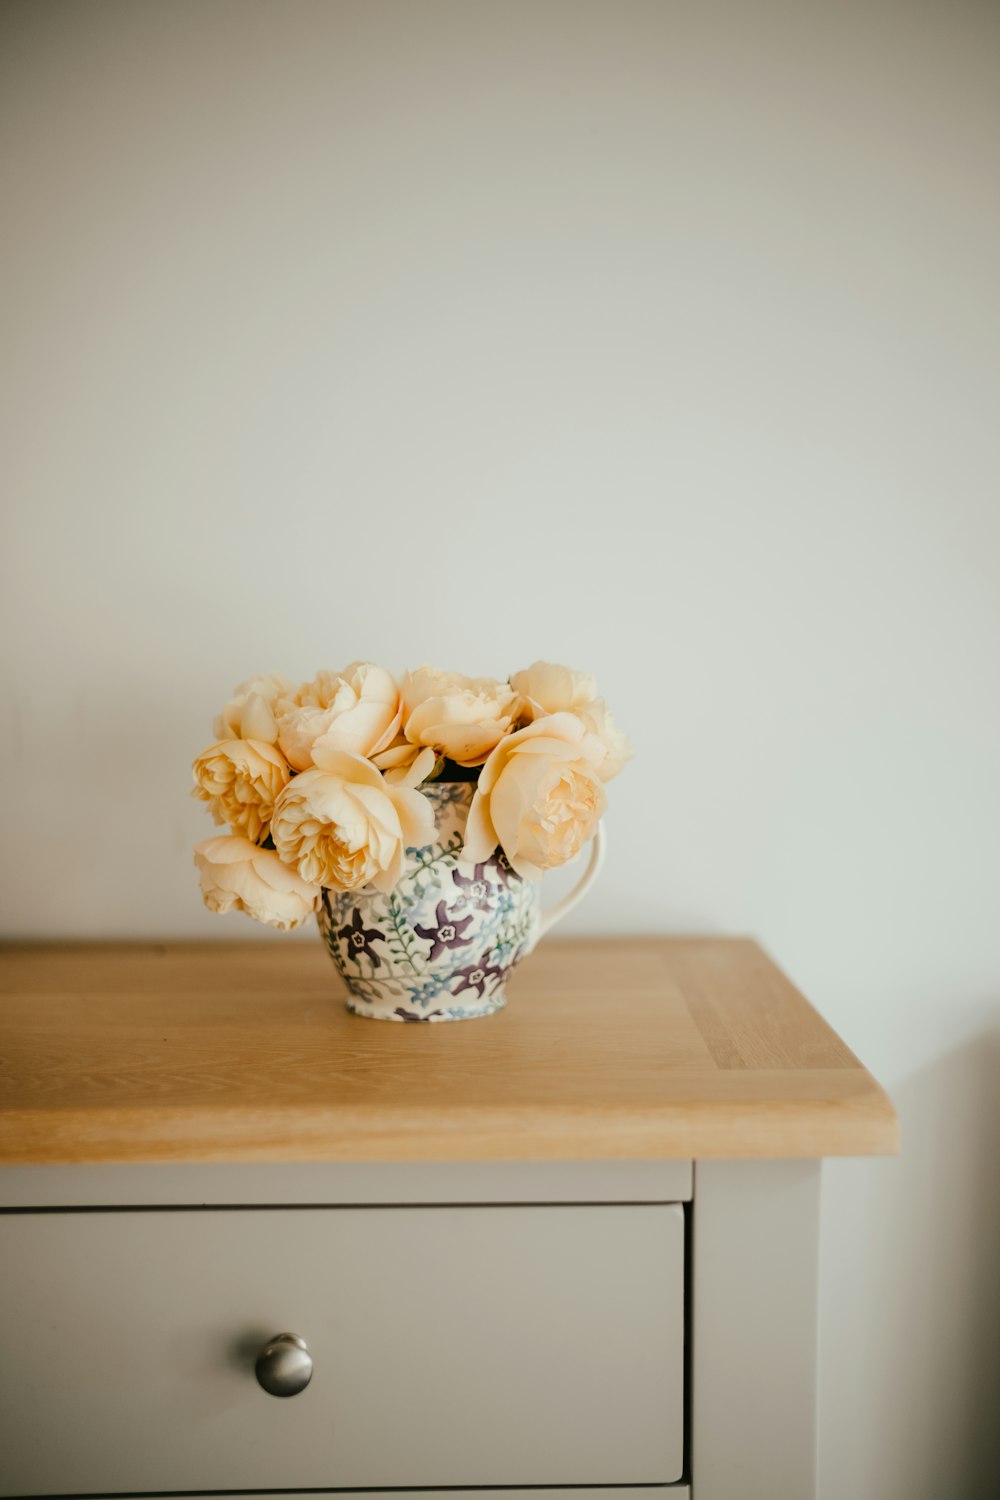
{"type": "Point", "coordinates": [452, 1346]}
{"type": "Point", "coordinates": [649, 1492]}
{"type": "Point", "coordinates": [610, 1492]}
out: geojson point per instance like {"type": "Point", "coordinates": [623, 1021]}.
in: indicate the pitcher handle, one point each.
{"type": "Point", "coordinates": [556, 913]}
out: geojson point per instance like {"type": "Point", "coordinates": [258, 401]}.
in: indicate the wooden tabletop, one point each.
{"type": "Point", "coordinates": [619, 1048]}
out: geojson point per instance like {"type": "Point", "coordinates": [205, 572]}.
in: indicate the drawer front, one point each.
{"type": "Point", "coordinates": [651, 1492]}
{"type": "Point", "coordinates": [455, 1347]}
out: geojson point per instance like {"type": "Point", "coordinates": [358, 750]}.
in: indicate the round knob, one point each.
{"type": "Point", "coordinates": [284, 1365]}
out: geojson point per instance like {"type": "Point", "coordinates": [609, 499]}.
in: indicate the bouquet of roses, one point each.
{"type": "Point", "coordinates": [320, 784]}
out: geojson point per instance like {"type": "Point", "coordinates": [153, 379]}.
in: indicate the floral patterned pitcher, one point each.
{"type": "Point", "coordinates": [440, 945]}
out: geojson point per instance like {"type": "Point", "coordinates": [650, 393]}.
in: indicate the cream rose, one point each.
{"type": "Point", "coordinates": [460, 717]}
{"type": "Point", "coordinates": [237, 876]}
{"type": "Point", "coordinates": [599, 720]}
{"type": "Point", "coordinates": [356, 710]}
{"type": "Point", "coordinates": [251, 712]}
{"type": "Point", "coordinates": [550, 689]}
{"type": "Point", "coordinates": [342, 825]}
{"type": "Point", "coordinates": [240, 779]}
{"type": "Point", "coordinates": [539, 796]}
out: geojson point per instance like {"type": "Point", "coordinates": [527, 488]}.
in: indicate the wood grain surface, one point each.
{"type": "Point", "coordinates": [626, 1049]}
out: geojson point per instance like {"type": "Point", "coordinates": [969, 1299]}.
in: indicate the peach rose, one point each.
{"type": "Point", "coordinates": [356, 710]}
{"type": "Point", "coordinates": [539, 796]}
{"type": "Point", "coordinates": [251, 712]}
{"type": "Point", "coordinates": [402, 761]}
{"type": "Point", "coordinates": [237, 876]}
{"type": "Point", "coordinates": [342, 825]}
{"type": "Point", "coordinates": [549, 689]}
{"type": "Point", "coordinates": [599, 720]}
{"type": "Point", "coordinates": [240, 779]}
{"type": "Point", "coordinates": [460, 717]}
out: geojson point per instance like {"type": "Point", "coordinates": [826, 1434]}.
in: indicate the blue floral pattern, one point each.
{"type": "Point", "coordinates": [439, 947]}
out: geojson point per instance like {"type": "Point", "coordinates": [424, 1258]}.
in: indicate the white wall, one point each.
{"type": "Point", "coordinates": [659, 338]}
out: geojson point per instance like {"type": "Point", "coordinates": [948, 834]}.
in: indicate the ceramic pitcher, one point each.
{"type": "Point", "coordinates": [439, 947]}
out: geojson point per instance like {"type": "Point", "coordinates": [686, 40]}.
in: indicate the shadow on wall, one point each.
{"type": "Point", "coordinates": [914, 1297]}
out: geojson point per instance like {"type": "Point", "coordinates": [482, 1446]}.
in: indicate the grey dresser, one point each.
{"type": "Point", "coordinates": [568, 1246]}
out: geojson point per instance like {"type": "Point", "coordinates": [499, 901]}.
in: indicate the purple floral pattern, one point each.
{"type": "Point", "coordinates": [440, 946]}
{"type": "Point", "coordinates": [446, 932]}
{"type": "Point", "coordinates": [479, 977]}
{"type": "Point", "coordinates": [360, 938]}
{"type": "Point", "coordinates": [476, 890]}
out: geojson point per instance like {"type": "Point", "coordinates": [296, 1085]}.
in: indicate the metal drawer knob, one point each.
{"type": "Point", "coordinates": [284, 1365]}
